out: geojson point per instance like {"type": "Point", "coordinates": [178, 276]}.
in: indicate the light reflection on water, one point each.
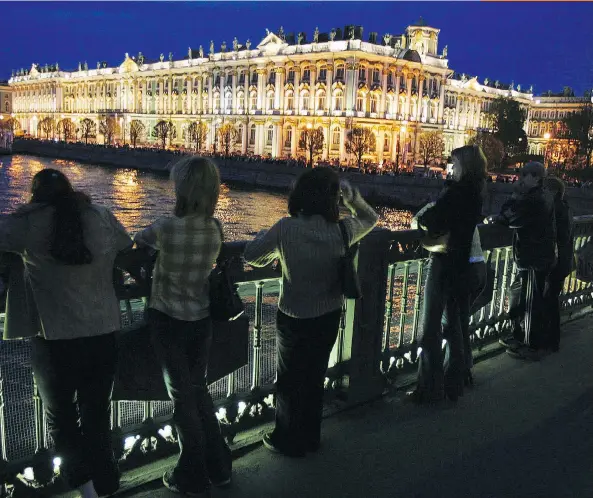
{"type": "Point", "coordinates": [139, 197]}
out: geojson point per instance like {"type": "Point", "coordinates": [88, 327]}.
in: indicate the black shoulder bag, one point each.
{"type": "Point", "coordinates": [348, 272]}
{"type": "Point", "coordinates": [225, 303]}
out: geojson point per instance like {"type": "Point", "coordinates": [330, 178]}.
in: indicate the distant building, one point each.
{"type": "Point", "coordinates": [5, 99]}
{"type": "Point", "coordinates": [397, 85]}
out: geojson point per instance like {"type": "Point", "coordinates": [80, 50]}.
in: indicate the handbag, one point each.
{"type": "Point", "coordinates": [139, 376]}
{"type": "Point", "coordinates": [225, 303]}
{"type": "Point", "coordinates": [348, 273]}
{"type": "Point", "coordinates": [435, 244]}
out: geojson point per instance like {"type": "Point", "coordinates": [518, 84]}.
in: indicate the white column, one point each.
{"type": "Point", "coordinates": [221, 90]}
{"type": "Point", "coordinates": [260, 88]}
{"type": "Point", "coordinates": [396, 109]}
{"type": "Point", "coordinates": [342, 141]}
{"type": "Point", "coordinates": [234, 103]}
{"type": "Point", "coordinates": [457, 113]}
{"type": "Point", "coordinates": [408, 98]}
{"type": "Point", "coordinates": [244, 139]}
{"type": "Point", "coordinates": [420, 94]}
{"type": "Point", "coordinates": [293, 141]}
{"type": "Point", "coordinates": [441, 102]}
{"type": "Point", "coordinates": [313, 93]}
{"type": "Point", "coordinates": [329, 93]}
{"type": "Point", "coordinates": [297, 93]}
{"type": "Point", "coordinates": [210, 93]}
{"type": "Point", "coordinates": [382, 108]}
{"type": "Point", "coordinates": [279, 90]}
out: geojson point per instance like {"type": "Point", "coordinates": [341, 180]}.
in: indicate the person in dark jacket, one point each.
{"type": "Point", "coordinates": [531, 213]}
{"type": "Point", "coordinates": [565, 244]}
{"type": "Point", "coordinates": [454, 215]}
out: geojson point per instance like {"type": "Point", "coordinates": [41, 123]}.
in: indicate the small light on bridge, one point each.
{"type": "Point", "coordinates": [130, 442]}
{"type": "Point", "coordinates": [242, 407]}
{"type": "Point", "coordinates": [221, 414]}
{"type": "Point", "coordinates": [166, 432]}
{"type": "Point", "coordinates": [28, 474]}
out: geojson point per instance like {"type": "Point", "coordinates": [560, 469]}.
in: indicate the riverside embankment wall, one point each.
{"type": "Point", "coordinates": [400, 191]}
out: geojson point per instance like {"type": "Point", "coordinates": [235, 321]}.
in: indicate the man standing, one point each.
{"type": "Point", "coordinates": [530, 212]}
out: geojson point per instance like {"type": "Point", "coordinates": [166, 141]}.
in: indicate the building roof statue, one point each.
{"type": "Point", "coordinates": [332, 35]}
{"type": "Point", "coordinates": [98, 65]}
{"type": "Point", "coordinates": [211, 47]}
{"type": "Point", "coordinates": [170, 56]}
{"type": "Point", "coordinates": [235, 44]}
{"type": "Point", "coordinates": [248, 44]}
{"type": "Point", "coordinates": [300, 38]}
{"type": "Point", "coordinates": [518, 88]}
{"type": "Point", "coordinates": [79, 66]}
{"type": "Point", "coordinates": [386, 39]}
{"type": "Point", "coordinates": [530, 88]}
{"type": "Point", "coordinates": [223, 47]}
{"type": "Point", "coordinates": [445, 51]}
{"type": "Point", "coordinates": [316, 35]}
{"type": "Point", "coordinates": [140, 58]}
{"type": "Point", "coordinates": [201, 52]}
{"type": "Point", "coordinates": [162, 57]}
{"type": "Point", "coordinates": [512, 85]}
{"type": "Point", "coordinates": [281, 33]}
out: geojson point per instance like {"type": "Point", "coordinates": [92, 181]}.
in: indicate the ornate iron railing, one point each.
{"type": "Point", "coordinates": [377, 341]}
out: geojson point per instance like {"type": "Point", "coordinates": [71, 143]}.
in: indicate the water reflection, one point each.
{"type": "Point", "coordinates": [138, 198]}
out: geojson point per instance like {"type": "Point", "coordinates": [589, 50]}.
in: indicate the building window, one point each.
{"type": "Point", "coordinates": [339, 101]}
{"type": "Point", "coordinates": [271, 100]}
{"type": "Point", "coordinates": [252, 135]}
{"type": "Point", "coordinates": [307, 75]}
{"type": "Point", "coordinates": [386, 143]}
{"type": "Point", "coordinates": [290, 78]}
{"type": "Point", "coordinates": [362, 74]}
{"type": "Point", "coordinates": [321, 101]}
{"type": "Point", "coordinates": [228, 102]}
{"type": "Point", "coordinates": [253, 101]}
{"type": "Point", "coordinates": [322, 74]}
{"type": "Point", "coordinates": [240, 100]}
{"type": "Point", "coordinates": [270, 136]}
{"type": "Point", "coordinates": [241, 78]}
{"type": "Point", "coordinates": [336, 138]}
{"type": "Point", "coordinates": [360, 102]}
{"type": "Point", "coordinates": [374, 103]}
{"type": "Point", "coordinates": [288, 138]}
{"type": "Point", "coordinates": [390, 79]}
{"type": "Point", "coordinates": [305, 101]}
{"type": "Point", "coordinates": [290, 102]}
{"type": "Point", "coordinates": [340, 73]}
{"type": "Point", "coordinates": [376, 76]}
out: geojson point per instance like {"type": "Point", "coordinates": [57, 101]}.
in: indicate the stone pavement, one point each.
{"type": "Point", "coordinates": [525, 430]}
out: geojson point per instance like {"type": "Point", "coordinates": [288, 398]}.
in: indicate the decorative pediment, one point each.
{"type": "Point", "coordinates": [473, 84]}
{"type": "Point", "coordinates": [128, 65]}
{"type": "Point", "coordinates": [271, 43]}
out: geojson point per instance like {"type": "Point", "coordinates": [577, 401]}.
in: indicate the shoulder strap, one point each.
{"type": "Point", "coordinates": [344, 235]}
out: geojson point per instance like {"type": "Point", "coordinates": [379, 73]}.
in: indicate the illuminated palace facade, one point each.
{"type": "Point", "coordinates": [397, 85]}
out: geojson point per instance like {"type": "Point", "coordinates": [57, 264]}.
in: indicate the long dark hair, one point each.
{"type": "Point", "coordinates": [473, 166]}
{"type": "Point", "coordinates": [51, 187]}
{"type": "Point", "coordinates": [317, 191]}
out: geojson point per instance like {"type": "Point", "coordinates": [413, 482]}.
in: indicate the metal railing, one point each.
{"type": "Point", "coordinates": [377, 340]}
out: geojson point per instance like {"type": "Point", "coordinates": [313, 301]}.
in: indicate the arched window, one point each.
{"type": "Point", "coordinates": [305, 101]}
{"type": "Point", "coordinates": [321, 101]}
{"type": "Point", "coordinates": [270, 136]}
{"type": "Point", "coordinates": [252, 101]}
{"type": "Point", "coordinates": [374, 103]}
{"type": "Point", "coordinates": [240, 101]}
{"type": "Point", "coordinates": [289, 101]}
{"type": "Point", "coordinates": [386, 142]}
{"type": "Point", "coordinates": [228, 102]}
{"type": "Point", "coordinates": [288, 137]}
{"type": "Point", "coordinates": [340, 73]}
{"type": "Point", "coordinates": [362, 74]}
{"type": "Point", "coordinates": [216, 101]}
{"type": "Point", "coordinates": [252, 135]}
{"type": "Point", "coordinates": [360, 102]}
{"type": "Point", "coordinates": [339, 101]}
{"type": "Point", "coordinates": [336, 138]}
{"type": "Point", "coordinates": [271, 100]}
{"type": "Point", "coordinates": [376, 76]}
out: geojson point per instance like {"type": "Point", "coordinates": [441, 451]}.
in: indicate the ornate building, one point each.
{"type": "Point", "coordinates": [397, 85]}
{"type": "Point", "coordinates": [5, 99]}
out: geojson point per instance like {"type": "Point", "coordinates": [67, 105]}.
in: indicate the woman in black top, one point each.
{"type": "Point", "coordinates": [456, 213]}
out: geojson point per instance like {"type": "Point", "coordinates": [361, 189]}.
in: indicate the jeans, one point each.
{"type": "Point", "coordinates": [75, 381]}
{"type": "Point", "coordinates": [443, 292]}
{"type": "Point", "coordinates": [304, 346]}
{"type": "Point", "coordinates": [527, 304]}
{"type": "Point", "coordinates": [183, 349]}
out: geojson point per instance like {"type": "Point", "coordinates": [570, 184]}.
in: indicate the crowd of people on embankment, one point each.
{"type": "Point", "coordinates": [69, 246]}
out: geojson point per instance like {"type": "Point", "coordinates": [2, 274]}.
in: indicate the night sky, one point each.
{"type": "Point", "coordinates": [549, 45]}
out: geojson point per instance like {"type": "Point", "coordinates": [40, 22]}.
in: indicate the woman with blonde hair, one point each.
{"type": "Point", "coordinates": [454, 216]}
{"type": "Point", "coordinates": [188, 243]}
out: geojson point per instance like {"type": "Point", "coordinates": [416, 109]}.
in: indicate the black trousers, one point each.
{"type": "Point", "coordinates": [474, 285]}
{"type": "Point", "coordinates": [183, 349]}
{"type": "Point", "coordinates": [527, 305]}
{"type": "Point", "coordinates": [75, 381]}
{"type": "Point", "coordinates": [304, 346]}
{"type": "Point", "coordinates": [552, 305]}
{"type": "Point", "coordinates": [444, 291]}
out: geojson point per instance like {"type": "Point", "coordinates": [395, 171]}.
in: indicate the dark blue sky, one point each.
{"type": "Point", "coordinates": [548, 45]}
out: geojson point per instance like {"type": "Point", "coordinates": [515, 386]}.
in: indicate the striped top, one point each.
{"type": "Point", "coordinates": [309, 249]}
{"type": "Point", "coordinates": [188, 248]}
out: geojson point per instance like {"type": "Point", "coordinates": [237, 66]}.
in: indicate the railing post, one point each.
{"type": "Point", "coordinates": [362, 346]}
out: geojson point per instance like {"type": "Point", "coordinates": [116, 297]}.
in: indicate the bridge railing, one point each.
{"type": "Point", "coordinates": [377, 340]}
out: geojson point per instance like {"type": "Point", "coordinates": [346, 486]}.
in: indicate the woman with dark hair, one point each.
{"type": "Point", "coordinates": [453, 218]}
{"type": "Point", "coordinates": [69, 246]}
{"type": "Point", "coordinates": [309, 244]}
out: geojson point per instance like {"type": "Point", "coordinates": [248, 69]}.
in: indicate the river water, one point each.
{"type": "Point", "coordinates": [139, 197]}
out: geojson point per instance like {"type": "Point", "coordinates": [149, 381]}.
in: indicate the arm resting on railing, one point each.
{"type": "Point", "coordinates": [264, 249]}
